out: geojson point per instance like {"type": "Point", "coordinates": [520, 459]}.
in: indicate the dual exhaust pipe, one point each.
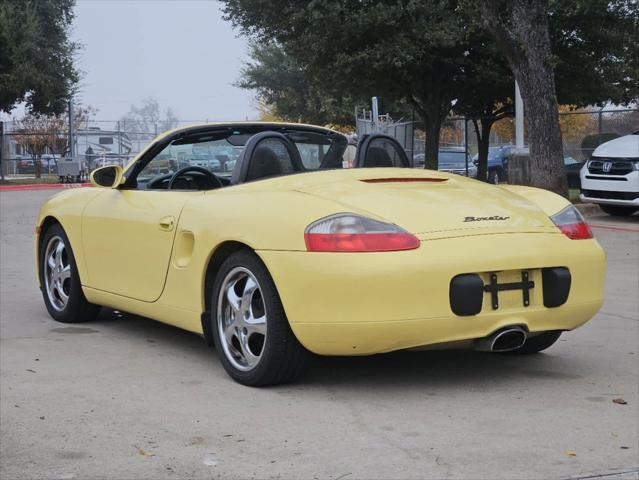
{"type": "Point", "coordinates": [504, 340]}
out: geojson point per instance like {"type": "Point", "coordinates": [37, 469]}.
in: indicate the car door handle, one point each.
{"type": "Point", "coordinates": [166, 223]}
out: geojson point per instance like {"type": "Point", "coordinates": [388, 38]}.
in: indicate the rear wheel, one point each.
{"type": "Point", "coordinates": [60, 282]}
{"type": "Point", "coordinates": [539, 342]}
{"type": "Point", "coordinates": [618, 210]}
{"type": "Point", "coordinates": [252, 335]}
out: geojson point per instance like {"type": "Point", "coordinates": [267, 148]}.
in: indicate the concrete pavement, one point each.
{"type": "Point", "coordinates": [127, 397]}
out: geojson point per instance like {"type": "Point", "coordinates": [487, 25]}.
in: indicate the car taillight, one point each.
{"type": "Point", "coordinates": [572, 224]}
{"type": "Point", "coordinates": [346, 232]}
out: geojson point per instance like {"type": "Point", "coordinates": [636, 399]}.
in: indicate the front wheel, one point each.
{"type": "Point", "coordinates": [252, 335]}
{"type": "Point", "coordinates": [618, 210]}
{"type": "Point", "coordinates": [60, 282]}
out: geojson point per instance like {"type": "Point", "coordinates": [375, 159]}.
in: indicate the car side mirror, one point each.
{"type": "Point", "coordinates": [107, 177]}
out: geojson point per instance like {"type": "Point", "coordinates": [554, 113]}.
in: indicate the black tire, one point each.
{"type": "Point", "coordinates": [282, 357]}
{"type": "Point", "coordinates": [618, 210]}
{"type": "Point", "coordinates": [77, 308]}
{"type": "Point", "coordinates": [538, 343]}
{"type": "Point", "coordinates": [494, 177]}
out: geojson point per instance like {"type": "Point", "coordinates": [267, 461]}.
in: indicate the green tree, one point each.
{"type": "Point", "coordinates": [580, 51]}
{"type": "Point", "coordinates": [291, 89]}
{"type": "Point", "coordinates": [595, 46]}
{"type": "Point", "coordinates": [485, 93]}
{"type": "Point", "coordinates": [36, 55]}
{"type": "Point", "coordinates": [397, 49]}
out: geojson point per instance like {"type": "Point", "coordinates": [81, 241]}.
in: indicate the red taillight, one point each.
{"type": "Point", "coordinates": [576, 231]}
{"type": "Point", "coordinates": [572, 224]}
{"type": "Point", "coordinates": [354, 233]}
{"type": "Point", "coordinates": [360, 242]}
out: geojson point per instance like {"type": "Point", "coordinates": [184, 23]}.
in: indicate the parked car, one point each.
{"type": "Point", "coordinates": [497, 168]}
{"type": "Point", "coordinates": [611, 177]}
{"type": "Point", "coordinates": [49, 165]}
{"type": "Point", "coordinates": [450, 160]}
{"type": "Point", "coordinates": [279, 259]}
{"type": "Point", "coordinates": [453, 160]}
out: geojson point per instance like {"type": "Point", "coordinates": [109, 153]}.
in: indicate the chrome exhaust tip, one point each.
{"type": "Point", "coordinates": [504, 340]}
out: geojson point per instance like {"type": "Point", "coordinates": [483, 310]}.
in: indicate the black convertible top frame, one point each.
{"type": "Point", "coordinates": [224, 130]}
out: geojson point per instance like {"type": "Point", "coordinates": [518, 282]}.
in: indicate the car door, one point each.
{"type": "Point", "coordinates": [379, 150]}
{"type": "Point", "coordinates": [128, 238]}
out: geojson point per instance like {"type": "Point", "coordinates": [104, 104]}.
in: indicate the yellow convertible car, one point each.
{"type": "Point", "coordinates": [255, 236]}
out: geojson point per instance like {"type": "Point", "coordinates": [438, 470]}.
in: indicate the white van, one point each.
{"type": "Point", "coordinates": [611, 177]}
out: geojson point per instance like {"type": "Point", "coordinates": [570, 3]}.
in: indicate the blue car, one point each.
{"type": "Point", "coordinates": [497, 163]}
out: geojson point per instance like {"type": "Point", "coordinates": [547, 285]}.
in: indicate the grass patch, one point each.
{"type": "Point", "coordinates": [573, 195]}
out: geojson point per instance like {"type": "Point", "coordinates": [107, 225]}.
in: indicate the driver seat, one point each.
{"type": "Point", "coordinates": [264, 163]}
{"type": "Point", "coordinates": [267, 154]}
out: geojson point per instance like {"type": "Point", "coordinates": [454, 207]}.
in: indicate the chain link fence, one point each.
{"type": "Point", "coordinates": [95, 143]}
{"type": "Point", "coordinates": [102, 142]}
{"type": "Point", "coordinates": [582, 131]}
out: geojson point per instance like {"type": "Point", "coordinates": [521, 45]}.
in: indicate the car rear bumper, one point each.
{"type": "Point", "coordinates": [364, 303]}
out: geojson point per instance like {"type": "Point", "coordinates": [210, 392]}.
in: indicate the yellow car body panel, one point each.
{"type": "Point", "coordinates": [336, 303]}
{"type": "Point", "coordinates": [378, 302]}
{"type": "Point", "coordinates": [128, 232]}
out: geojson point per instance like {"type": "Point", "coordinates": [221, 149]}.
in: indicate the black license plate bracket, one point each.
{"type": "Point", "coordinates": [494, 287]}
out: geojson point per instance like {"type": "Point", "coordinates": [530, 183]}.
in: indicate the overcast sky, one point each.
{"type": "Point", "coordinates": [180, 52]}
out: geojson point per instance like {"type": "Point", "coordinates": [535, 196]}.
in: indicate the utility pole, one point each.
{"type": "Point", "coordinates": [375, 113]}
{"type": "Point", "coordinates": [1, 149]}
{"type": "Point", "coordinates": [466, 143]}
{"type": "Point", "coordinates": [71, 131]}
{"type": "Point", "coordinates": [519, 119]}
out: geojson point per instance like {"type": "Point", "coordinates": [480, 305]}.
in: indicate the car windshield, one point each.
{"type": "Point", "coordinates": [217, 156]}
{"type": "Point", "coordinates": [219, 151]}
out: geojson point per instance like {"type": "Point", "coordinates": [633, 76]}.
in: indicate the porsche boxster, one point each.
{"type": "Point", "coordinates": [254, 236]}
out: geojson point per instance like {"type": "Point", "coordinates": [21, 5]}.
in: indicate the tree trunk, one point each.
{"type": "Point", "coordinates": [483, 144]}
{"type": "Point", "coordinates": [432, 103]}
{"type": "Point", "coordinates": [433, 130]}
{"type": "Point", "coordinates": [520, 28]}
{"type": "Point", "coordinates": [37, 167]}
{"type": "Point", "coordinates": [537, 86]}
{"type": "Point", "coordinates": [433, 119]}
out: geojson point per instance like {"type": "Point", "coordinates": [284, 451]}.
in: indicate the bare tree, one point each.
{"type": "Point", "coordinates": [39, 134]}
{"type": "Point", "coordinates": [148, 120]}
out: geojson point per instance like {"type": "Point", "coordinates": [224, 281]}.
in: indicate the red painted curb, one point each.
{"type": "Point", "coordinates": [41, 186]}
{"type": "Point", "coordinates": [616, 229]}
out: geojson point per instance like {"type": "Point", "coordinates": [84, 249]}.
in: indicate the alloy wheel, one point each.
{"type": "Point", "coordinates": [57, 273]}
{"type": "Point", "coordinates": [241, 319]}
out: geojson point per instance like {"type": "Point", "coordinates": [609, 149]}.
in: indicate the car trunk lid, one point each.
{"type": "Point", "coordinates": [434, 204]}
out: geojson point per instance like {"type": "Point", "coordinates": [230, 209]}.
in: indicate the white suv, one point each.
{"type": "Point", "coordinates": [611, 177]}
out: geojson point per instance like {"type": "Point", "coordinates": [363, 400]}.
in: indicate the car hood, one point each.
{"type": "Point", "coordinates": [435, 204]}
{"type": "Point", "coordinates": [622, 147]}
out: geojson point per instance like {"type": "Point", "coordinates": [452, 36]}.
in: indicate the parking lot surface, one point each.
{"type": "Point", "coordinates": [127, 397]}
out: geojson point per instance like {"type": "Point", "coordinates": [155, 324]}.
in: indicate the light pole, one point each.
{"type": "Point", "coordinates": [519, 119]}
